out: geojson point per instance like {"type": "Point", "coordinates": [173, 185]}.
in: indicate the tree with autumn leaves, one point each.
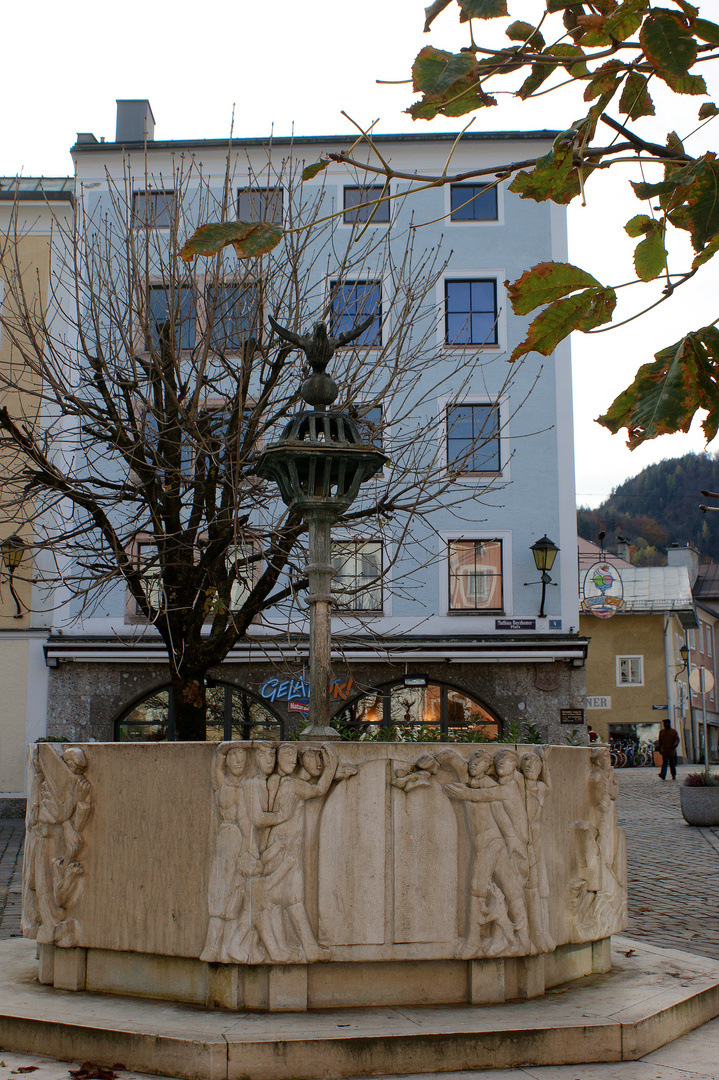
{"type": "Point", "coordinates": [611, 55]}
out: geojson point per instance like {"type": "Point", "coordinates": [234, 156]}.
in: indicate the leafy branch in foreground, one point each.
{"type": "Point", "coordinates": [615, 54]}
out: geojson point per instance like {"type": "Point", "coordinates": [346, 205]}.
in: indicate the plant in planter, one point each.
{"type": "Point", "coordinates": [699, 796]}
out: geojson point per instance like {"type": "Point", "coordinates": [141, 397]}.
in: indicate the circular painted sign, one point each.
{"type": "Point", "coordinates": [603, 591]}
{"type": "Point", "coordinates": [701, 680]}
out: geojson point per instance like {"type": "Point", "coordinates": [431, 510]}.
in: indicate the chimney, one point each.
{"type": "Point", "coordinates": [135, 122]}
{"type": "Point", "coordinates": [684, 556]}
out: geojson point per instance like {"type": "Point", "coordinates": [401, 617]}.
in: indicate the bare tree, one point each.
{"type": "Point", "coordinates": [143, 387]}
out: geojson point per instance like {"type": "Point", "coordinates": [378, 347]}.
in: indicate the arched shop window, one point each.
{"type": "Point", "coordinates": [232, 715]}
{"type": "Point", "coordinates": [416, 702]}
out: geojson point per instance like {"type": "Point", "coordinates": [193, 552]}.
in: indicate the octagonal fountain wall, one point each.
{"type": "Point", "coordinates": [286, 876]}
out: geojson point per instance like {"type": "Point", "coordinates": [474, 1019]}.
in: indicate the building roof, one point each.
{"type": "Point", "coordinates": [706, 585]}
{"type": "Point", "coordinates": [37, 188]}
{"type": "Point", "coordinates": [87, 143]}
{"type": "Point", "coordinates": [657, 588]}
{"type": "Point", "coordinates": [590, 553]}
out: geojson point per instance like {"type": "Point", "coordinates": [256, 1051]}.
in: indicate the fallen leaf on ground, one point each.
{"type": "Point", "coordinates": [630, 952]}
{"type": "Point", "coordinates": [90, 1071]}
{"type": "Point", "coordinates": [27, 1068]}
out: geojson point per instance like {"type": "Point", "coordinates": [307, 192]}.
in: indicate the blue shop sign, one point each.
{"type": "Point", "coordinates": [299, 690]}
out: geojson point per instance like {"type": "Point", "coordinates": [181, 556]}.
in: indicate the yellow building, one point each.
{"type": "Point", "coordinates": [30, 210]}
{"type": "Point", "coordinates": [636, 677]}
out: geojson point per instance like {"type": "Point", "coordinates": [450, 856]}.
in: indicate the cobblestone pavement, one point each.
{"type": "Point", "coordinates": [12, 834]}
{"type": "Point", "coordinates": [673, 867]}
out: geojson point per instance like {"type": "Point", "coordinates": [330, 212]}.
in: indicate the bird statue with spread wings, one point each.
{"type": "Point", "coordinates": [319, 390]}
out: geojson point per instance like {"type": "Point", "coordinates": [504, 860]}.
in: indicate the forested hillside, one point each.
{"type": "Point", "coordinates": [659, 507]}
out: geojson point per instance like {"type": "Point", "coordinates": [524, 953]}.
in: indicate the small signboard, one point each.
{"type": "Point", "coordinates": [602, 591]}
{"type": "Point", "coordinates": [298, 706]}
{"type": "Point", "coordinates": [571, 716]}
{"type": "Point", "coordinates": [598, 701]}
{"type": "Point", "coordinates": [515, 624]}
{"type": "Point", "coordinates": [555, 624]}
{"type": "Point", "coordinates": [660, 708]}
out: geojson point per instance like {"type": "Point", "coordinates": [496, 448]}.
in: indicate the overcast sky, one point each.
{"type": "Point", "coordinates": [298, 65]}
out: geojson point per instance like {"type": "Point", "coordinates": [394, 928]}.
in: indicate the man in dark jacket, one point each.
{"type": "Point", "coordinates": [667, 744]}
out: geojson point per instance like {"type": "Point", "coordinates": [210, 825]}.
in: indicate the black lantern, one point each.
{"type": "Point", "coordinates": [13, 548]}
{"type": "Point", "coordinates": [544, 552]}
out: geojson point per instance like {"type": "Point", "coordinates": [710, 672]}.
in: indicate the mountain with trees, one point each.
{"type": "Point", "coordinates": [657, 508]}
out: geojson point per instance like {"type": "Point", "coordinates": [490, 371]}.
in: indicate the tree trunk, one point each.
{"type": "Point", "coordinates": [189, 702]}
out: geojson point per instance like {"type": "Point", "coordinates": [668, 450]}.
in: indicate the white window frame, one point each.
{"type": "Point", "coordinates": [639, 657]}
{"type": "Point", "coordinates": [351, 612]}
{"type": "Point", "coordinates": [504, 474]}
{"type": "Point", "coordinates": [708, 640]}
{"type": "Point", "coordinates": [691, 640]}
{"type": "Point", "coordinates": [498, 275]}
{"type": "Point", "coordinates": [473, 224]}
{"type": "Point", "coordinates": [445, 538]}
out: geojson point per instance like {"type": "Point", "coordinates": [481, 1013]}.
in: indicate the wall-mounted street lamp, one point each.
{"type": "Point", "coordinates": [684, 653]}
{"type": "Point", "coordinates": [544, 552]}
{"type": "Point", "coordinates": [13, 548]}
{"type": "Point", "coordinates": [319, 463]}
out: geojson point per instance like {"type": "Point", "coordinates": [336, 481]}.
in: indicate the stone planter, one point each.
{"type": "Point", "coordinates": [700, 805]}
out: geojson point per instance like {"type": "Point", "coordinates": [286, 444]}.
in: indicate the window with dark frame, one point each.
{"type": "Point", "coordinates": [236, 312]}
{"type": "Point", "coordinates": [473, 438]}
{"type": "Point", "coordinates": [153, 209]}
{"type": "Point", "coordinates": [471, 312]}
{"type": "Point", "coordinates": [369, 423]}
{"type": "Point", "coordinates": [360, 204]}
{"type": "Point", "coordinates": [352, 303]}
{"type": "Point", "coordinates": [473, 202]}
{"type": "Point", "coordinates": [260, 204]}
{"type": "Point", "coordinates": [357, 579]}
{"type": "Point", "coordinates": [174, 310]}
{"type": "Point", "coordinates": [475, 576]}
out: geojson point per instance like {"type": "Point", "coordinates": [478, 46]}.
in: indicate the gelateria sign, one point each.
{"type": "Point", "coordinates": [296, 692]}
{"type": "Point", "coordinates": [603, 591]}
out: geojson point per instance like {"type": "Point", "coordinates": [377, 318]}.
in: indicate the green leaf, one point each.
{"type": "Point", "coordinates": [482, 9]}
{"type": "Point", "coordinates": [687, 8]}
{"type": "Point", "coordinates": [583, 311]}
{"type": "Point", "coordinates": [700, 214]}
{"type": "Point", "coordinates": [636, 100]}
{"type": "Point", "coordinates": [553, 177]}
{"type": "Point", "coordinates": [650, 191]}
{"type": "Point", "coordinates": [546, 282]}
{"type": "Point", "coordinates": [650, 258]}
{"type": "Point", "coordinates": [707, 31]}
{"type": "Point", "coordinates": [249, 239]}
{"type": "Point", "coordinates": [450, 83]}
{"type": "Point", "coordinates": [639, 225]}
{"type": "Point", "coordinates": [606, 78]}
{"type": "Point", "coordinates": [534, 80]}
{"type": "Point", "coordinates": [310, 171]}
{"type": "Point", "coordinates": [667, 42]}
{"type": "Point", "coordinates": [684, 84]}
{"type": "Point", "coordinates": [431, 12]}
{"type": "Point", "coordinates": [706, 253]}
{"type": "Point", "coordinates": [708, 109]}
{"type": "Point", "coordinates": [666, 394]}
{"type": "Point", "coordinates": [626, 20]}
{"type": "Point", "coordinates": [524, 31]}
{"type": "Point", "coordinates": [578, 69]}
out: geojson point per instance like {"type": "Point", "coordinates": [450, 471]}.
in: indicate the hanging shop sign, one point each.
{"type": "Point", "coordinates": [603, 591]}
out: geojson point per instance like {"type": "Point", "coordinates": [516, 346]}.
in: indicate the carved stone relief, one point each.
{"type": "Point", "coordinates": [498, 798]}
{"type": "Point", "coordinates": [59, 804]}
{"type": "Point", "coordinates": [598, 900]}
{"type": "Point", "coordinates": [262, 849]}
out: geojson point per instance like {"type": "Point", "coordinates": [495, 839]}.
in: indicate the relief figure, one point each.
{"type": "Point", "coordinates": [497, 921]}
{"type": "Point", "coordinates": [597, 895]}
{"type": "Point", "coordinates": [59, 804]}
{"type": "Point", "coordinates": [536, 789]}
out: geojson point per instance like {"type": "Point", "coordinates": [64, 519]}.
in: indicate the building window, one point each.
{"type": "Point", "coordinates": [369, 422]}
{"type": "Point", "coordinates": [471, 312]}
{"type": "Point", "coordinates": [708, 634]}
{"type": "Point", "coordinates": [691, 639]}
{"type": "Point", "coordinates": [243, 556]}
{"type": "Point", "coordinates": [151, 575]}
{"type": "Point", "coordinates": [232, 714]}
{"type": "Point", "coordinates": [358, 205]}
{"type": "Point", "coordinates": [172, 312]}
{"type": "Point", "coordinates": [416, 703]}
{"type": "Point", "coordinates": [236, 315]}
{"type": "Point", "coordinates": [475, 575]}
{"type": "Point", "coordinates": [630, 671]}
{"type": "Point", "coordinates": [473, 202]}
{"type": "Point", "coordinates": [260, 204]}
{"type": "Point", "coordinates": [153, 209]}
{"type": "Point", "coordinates": [357, 580]}
{"type": "Point", "coordinates": [352, 303]}
{"type": "Point", "coordinates": [473, 444]}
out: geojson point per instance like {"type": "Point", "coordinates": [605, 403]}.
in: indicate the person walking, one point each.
{"type": "Point", "coordinates": [667, 744]}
